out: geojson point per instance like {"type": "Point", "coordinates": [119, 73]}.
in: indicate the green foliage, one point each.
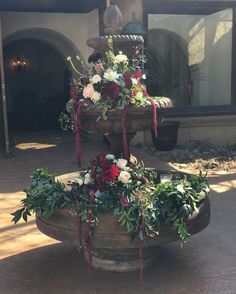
{"type": "Point", "coordinates": [43, 195]}
{"type": "Point", "coordinates": [65, 120]}
{"type": "Point", "coordinates": [148, 203]}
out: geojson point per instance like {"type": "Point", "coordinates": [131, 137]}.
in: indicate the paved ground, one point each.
{"type": "Point", "coordinates": [32, 263]}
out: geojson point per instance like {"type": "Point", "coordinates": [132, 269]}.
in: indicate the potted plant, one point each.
{"type": "Point", "coordinates": [118, 211]}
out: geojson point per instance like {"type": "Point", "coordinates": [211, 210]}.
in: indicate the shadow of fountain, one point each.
{"type": "Point", "coordinates": [61, 269]}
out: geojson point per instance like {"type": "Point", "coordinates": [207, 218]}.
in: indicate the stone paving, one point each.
{"type": "Point", "coordinates": [32, 263]}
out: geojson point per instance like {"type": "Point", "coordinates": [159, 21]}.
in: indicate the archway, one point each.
{"type": "Point", "coordinates": [38, 92]}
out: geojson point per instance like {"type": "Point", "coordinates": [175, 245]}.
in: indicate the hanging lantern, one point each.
{"type": "Point", "coordinates": [113, 20]}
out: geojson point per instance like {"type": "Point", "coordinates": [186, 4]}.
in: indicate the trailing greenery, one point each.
{"type": "Point", "coordinates": [43, 195]}
{"type": "Point", "coordinates": [141, 203]}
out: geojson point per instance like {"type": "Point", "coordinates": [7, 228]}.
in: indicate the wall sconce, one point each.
{"type": "Point", "coordinates": [19, 65]}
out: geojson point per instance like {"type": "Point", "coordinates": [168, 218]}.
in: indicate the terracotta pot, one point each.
{"type": "Point", "coordinates": [111, 246]}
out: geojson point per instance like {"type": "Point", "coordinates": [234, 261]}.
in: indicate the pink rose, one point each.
{"type": "Point", "coordinates": [98, 68]}
{"type": "Point", "coordinates": [88, 91]}
{"type": "Point", "coordinates": [121, 163]}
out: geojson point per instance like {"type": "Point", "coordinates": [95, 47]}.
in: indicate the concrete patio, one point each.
{"type": "Point", "coordinates": [32, 263]}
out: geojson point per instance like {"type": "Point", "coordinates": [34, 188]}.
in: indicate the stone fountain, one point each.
{"type": "Point", "coordinates": [109, 251]}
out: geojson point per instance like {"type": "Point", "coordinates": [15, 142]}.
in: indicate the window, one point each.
{"type": "Point", "coordinates": [190, 57]}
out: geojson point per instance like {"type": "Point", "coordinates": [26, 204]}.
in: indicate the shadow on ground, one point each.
{"type": "Point", "coordinates": [31, 263]}
{"type": "Point", "coordinates": [61, 269]}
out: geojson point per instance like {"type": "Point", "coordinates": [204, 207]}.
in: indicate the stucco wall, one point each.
{"type": "Point", "coordinates": [77, 28]}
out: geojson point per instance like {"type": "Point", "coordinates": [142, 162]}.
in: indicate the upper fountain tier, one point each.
{"type": "Point", "coordinates": [125, 43]}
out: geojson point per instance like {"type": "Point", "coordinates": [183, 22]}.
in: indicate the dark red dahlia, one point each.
{"type": "Point", "coordinates": [127, 79]}
{"type": "Point", "coordinates": [94, 57]}
{"type": "Point", "coordinates": [112, 91]}
{"type": "Point", "coordinates": [84, 81]}
{"type": "Point", "coordinates": [109, 172]}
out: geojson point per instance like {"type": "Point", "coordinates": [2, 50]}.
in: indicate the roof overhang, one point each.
{"type": "Point", "coordinates": [67, 6]}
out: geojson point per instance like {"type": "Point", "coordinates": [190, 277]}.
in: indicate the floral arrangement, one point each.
{"type": "Point", "coordinates": [130, 191]}
{"type": "Point", "coordinates": [113, 84]}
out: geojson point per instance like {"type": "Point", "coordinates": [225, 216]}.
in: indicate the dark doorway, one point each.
{"type": "Point", "coordinates": [37, 85]}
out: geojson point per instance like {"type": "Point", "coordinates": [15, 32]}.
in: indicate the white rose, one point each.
{"type": "Point", "coordinates": [120, 58]}
{"type": "Point", "coordinates": [111, 75]}
{"type": "Point", "coordinates": [87, 179]}
{"type": "Point", "coordinates": [124, 177]}
{"type": "Point", "coordinates": [96, 96]}
{"type": "Point", "coordinates": [78, 181]}
{"type": "Point", "coordinates": [121, 163]}
{"type": "Point", "coordinates": [96, 79]}
{"type": "Point", "coordinates": [110, 157]}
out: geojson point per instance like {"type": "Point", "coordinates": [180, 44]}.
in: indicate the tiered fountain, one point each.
{"type": "Point", "coordinates": [111, 247]}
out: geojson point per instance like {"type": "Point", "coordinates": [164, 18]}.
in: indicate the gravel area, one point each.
{"type": "Point", "coordinates": [198, 155]}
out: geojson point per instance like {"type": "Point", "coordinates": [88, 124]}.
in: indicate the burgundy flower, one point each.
{"type": "Point", "coordinates": [73, 92]}
{"type": "Point", "coordinates": [127, 78]}
{"type": "Point", "coordinates": [84, 81]}
{"type": "Point", "coordinates": [112, 91]}
{"type": "Point", "coordinates": [114, 172]}
{"type": "Point", "coordinates": [103, 163]}
{"type": "Point", "coordinates": [104, 172]}
{"type": "Point", "coordinates": [94, 57]}
{"type": "Point", "coordinates": [124, 202]}
{"type": "Point", "coordinates": [91, 196]}
{"type": "Point", "coordinates": [138, 74]}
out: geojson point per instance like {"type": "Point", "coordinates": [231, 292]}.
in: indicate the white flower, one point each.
{"type": "Point", "coordinates": [134, 81]}
{"type": "Point", "coordinates": [96, 79]}
{"type": "Point", "coordinates": [110, 157]}
{"type": "Point", "coordinates": [124, 177]}
{"type": "Point", "coordinates": [120, 58]}
{"type": "Point", "coordinates": [144, 77]}
{"type": "Point", "coordinates": [111, 75]}
{"type": "Point", "coordinates": [96, 96]}
{"type": "Point", "coordinates": [78, 181]}
{"type": "Point", "coordinates": [121, 163]}
{"type": "Point", "coordinates": [88, 179]}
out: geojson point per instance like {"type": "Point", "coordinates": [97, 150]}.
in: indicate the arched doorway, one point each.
{"type": "Point", "coordinates": [38, 88]}
{"type": "Point", "coordinates": [44, 84]}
